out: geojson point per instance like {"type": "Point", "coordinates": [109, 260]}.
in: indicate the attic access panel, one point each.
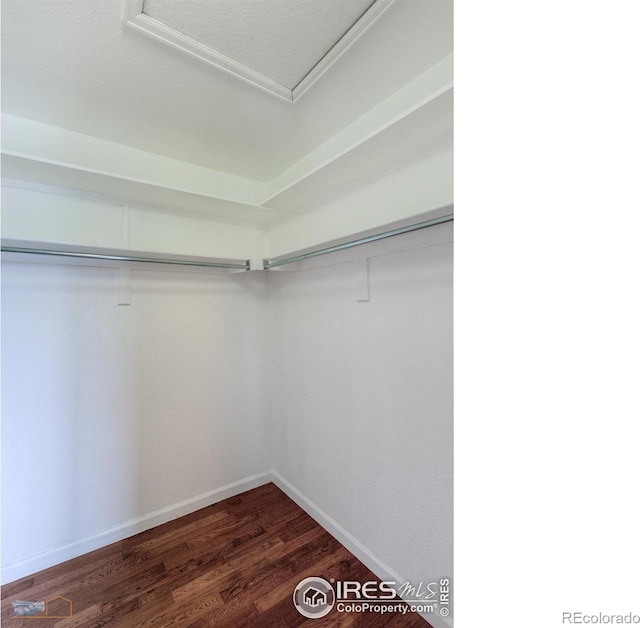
{"type": "Point", "coordinates": [280, 46]}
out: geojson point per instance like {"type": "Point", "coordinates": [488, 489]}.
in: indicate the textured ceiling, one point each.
{"type": "Point", "coordinates": [280, 39]}
{"type": "Point", "coordinates": [73, 64]}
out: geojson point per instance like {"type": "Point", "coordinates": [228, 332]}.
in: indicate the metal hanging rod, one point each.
{"type": "Point", "coordinates": [239, 265]}
{"type": "Point", "coordinates": [125, 258]}
{"type": "Point", "coordinates": [272, 263]}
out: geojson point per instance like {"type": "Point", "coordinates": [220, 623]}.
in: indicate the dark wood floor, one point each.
{"type": "Point", "coordinates": [233, 564]}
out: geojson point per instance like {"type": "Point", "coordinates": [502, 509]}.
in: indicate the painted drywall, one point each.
{"type": "Point", "coordinates": [32, 215]}
{"type": "Point", "coordinates": [206, 382]}
{"type": "Point", "coordinates": [361, 397]}
{"type": "Point", "coordinates": [29, 214]}
{"type": "Point", "coordinates": [116, 417]}
{"type": "Point", "coordinates": [172, 233]}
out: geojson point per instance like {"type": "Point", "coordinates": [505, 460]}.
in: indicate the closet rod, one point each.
{"type": "Point", "coordinates": [272, 263]}
{"type": "Point", "coordinates": [123, 258]}
{"type": "Point", "coordinates": [244, 265]}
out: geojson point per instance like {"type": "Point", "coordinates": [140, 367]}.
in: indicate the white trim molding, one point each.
{"type": "Point", "coordinates": [345, 538]}
{"type": "Point", "coordinates": [58, 555]}
{"type": "Point", "coordinates": [135, 18]}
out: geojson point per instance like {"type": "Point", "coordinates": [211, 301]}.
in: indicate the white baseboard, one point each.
{"type": "Point", "coordinates": [58, 555]}
{"type": "Point", "coordinates": [362, 553]}
{"type": "Point", "coordinates": [383, 571]}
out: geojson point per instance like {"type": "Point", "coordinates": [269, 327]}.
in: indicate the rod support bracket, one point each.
{"type": "Point", "coordinates": [255, 264]}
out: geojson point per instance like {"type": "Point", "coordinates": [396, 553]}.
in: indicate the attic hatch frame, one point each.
{"type": "Point", "coordinates": [135, 18]}
{"type": "Point", "coordinates": [240, 265]}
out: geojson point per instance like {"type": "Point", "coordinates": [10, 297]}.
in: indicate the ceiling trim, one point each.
{"type": "Point", "coordinates": [135, 18]}
{"type": "Point", "coordinates": [348, 39]}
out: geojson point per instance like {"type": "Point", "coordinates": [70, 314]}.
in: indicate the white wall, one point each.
{"type": "Point", "coordinates": [362, 398]}
{"type": "Point", "coordinates": [137, 414]}
{"type": "Point", "coordinates": [29, 214]}
{"type": "Point", "coordinates": [114, 416]}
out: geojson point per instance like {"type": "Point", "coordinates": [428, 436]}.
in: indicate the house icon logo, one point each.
{"type": "Point", "coordinates": [56, 607]}
{"type": "Point", "coordinates": [314, 598]}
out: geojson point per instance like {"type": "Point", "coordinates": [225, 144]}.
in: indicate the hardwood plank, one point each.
{"type": "Point", "coordinates": [181, 614]}
{"type": "Point", "coordinates": [232, 564]}
{"type": "Point", "coordinates": [285, 589]}
{"type": "Point", "coordinates": [17, 587]}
